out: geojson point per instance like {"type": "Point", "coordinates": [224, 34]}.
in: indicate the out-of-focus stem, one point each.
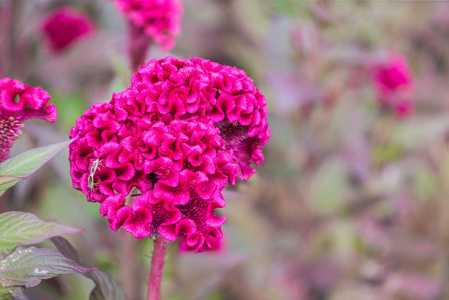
{"type": "Point", "coordinates": [157, 269]}
{"type": "Point", "coordinates": [139, 44]}
{"type": "Point", "coordinates": [6, 32]}
{"type": "Point", "coordinates": [128, 266]}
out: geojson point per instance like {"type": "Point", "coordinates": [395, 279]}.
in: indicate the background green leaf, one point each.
{"type": "Point", "coordinates": [9, 179]}
{"type": "Point", "coordinates": [328, 188]}
{"type": "Point", "coordinates": [27, 163]}
{"type": "Point", "coordinates": [20, 228]}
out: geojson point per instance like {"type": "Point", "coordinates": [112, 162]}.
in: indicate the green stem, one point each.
{"type": "Point", "coordinates": [157, 269]}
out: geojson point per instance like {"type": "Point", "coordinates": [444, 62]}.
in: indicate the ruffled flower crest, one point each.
{"type": "Point", "coordinates": [173, 140]}
{"type": "Point", "coordinates": [19, 102]}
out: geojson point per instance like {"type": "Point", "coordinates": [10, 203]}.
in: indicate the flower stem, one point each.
{"type": "Point", "coordinates": [6, 35]}
{"type": "Point", "coordinates": [139, 44]}
{"type": "Point", "coordinates": [157, 268]}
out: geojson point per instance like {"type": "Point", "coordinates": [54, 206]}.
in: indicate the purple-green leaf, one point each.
{"type": "Point", "coordinates": [26, 163]}
{"type": "Point", "coordinates": [26, 267]}
{"type": "Point", "coordinates": [106, 287]}
{"type": "Point", "coordinates": [20, 228]}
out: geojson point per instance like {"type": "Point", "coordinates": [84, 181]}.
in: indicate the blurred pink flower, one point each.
{"type": "Point", "coordinates": [393, 82]}
{"type": "Point", "coordinates": [391, 74]}
{"type": "Point", "coordinates": [160, 19]}
{"type": "Point", "coordinates": [403, 108]}
{"type": "Point", "coordinates": [215, 245]}
{"type": "Point", "coordinates": [19, 102]}
{"type": "Point", "coordinates": [173, 139]}
{"type": "Point", "coordinates": [64, 26]}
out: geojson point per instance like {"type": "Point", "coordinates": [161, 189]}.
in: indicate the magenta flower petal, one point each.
{"type": "Point", "coordinates": [212, 220]}
{"type": "Point", "coordinates": [115, 211]}
{"type": "Point", "coordinates": [211, 244]}
{"type": "Point", "coordinates": [214, 241]}
{"type": "Point", "coordinates": [139, 222]}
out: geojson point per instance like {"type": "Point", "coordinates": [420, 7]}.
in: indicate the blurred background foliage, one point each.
{"type": "Point", "coordinates": [351, 201]}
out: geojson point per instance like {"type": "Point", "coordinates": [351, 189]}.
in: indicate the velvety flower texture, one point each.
{"type": "Point", "coordinates": [64, 26]}
{"type": "Point", "coordinates": [393, 83]}
{"type": "Point", "coordinates": [172, 141]}
{"type": "Point", "coordinates": [160, 19]}
{"type": "Point", "coordinates": [19, 102]}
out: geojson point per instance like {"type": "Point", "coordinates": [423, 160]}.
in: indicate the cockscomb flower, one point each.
{"type": "Point", "coordinates": [171, 142]}
{"type": "Point", "coordinates": [393, 83]}
{"type": "Point", "coordinates": [19, 102]}
{"type": "Point", "coordinates": [64, 26]}
{"type": "Point", "coordinates": [159, 19]}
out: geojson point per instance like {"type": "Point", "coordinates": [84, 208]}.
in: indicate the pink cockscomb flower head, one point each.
{"type": "Point", "coordinates": [158, 155]}
{"type": "Point", "coordinates": [19, 102]}
{"type": "Point", "coordinates": [393, 82]}
{"type": "Point", "coordinates": [64, 26]}
{"type": "Point", "coordinates": [159, 19]}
